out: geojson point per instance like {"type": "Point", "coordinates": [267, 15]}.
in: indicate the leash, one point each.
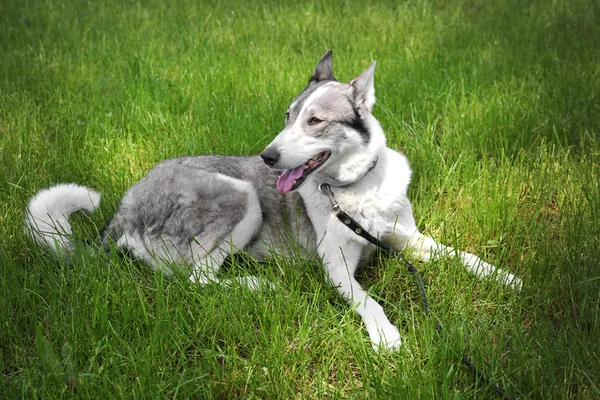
{"type": "Point", "coordinates": [360, 231]}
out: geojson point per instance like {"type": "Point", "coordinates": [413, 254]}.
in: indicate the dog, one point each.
{"type": "Point", "coordinates": [197, 210]}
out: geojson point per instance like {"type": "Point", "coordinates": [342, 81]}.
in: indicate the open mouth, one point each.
{"type": "Point", "coordinates": [291, 179]}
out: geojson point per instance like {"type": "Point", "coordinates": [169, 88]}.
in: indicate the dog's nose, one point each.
{"type": "Point", "coordinates": [270, 156]}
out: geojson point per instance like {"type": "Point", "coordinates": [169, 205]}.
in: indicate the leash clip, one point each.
{"type": "Point", "coordinates": [336, 208]}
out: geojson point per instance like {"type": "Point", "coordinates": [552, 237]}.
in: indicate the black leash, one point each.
{"type": "Point", "coordinates": [360, 231]}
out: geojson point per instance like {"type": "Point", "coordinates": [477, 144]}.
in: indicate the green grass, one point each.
{"type": "Point", "coordinates": [496, 106]}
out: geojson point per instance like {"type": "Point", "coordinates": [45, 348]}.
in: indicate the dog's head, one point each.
{"type": "Point", "coordinates": [330, 133]}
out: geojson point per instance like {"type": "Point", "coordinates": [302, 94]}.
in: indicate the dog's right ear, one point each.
{"type": "Point", "coordinates": [364, 91]}
{"type": "Point", "coordinates": [324, 69]}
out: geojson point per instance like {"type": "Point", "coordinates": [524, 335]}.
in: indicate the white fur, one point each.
{"type": "Point", "coordinates": [47, 217]}
{"type": "Point", "coordinates": [379, 203]}
{"type": "Point", "coordinates": [377, 200]}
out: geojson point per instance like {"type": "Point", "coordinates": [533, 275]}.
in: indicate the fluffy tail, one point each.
{"type": "Point", "coordinates": [47, 218]}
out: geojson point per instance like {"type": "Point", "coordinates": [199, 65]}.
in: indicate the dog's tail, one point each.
{"type": "Point", "coordinates": [47, 217]}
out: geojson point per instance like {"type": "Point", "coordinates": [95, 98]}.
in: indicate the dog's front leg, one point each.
{"type": "Point", "coordinates": [340, 264]}
{"type": "Point", "coordinates": [428, 249]}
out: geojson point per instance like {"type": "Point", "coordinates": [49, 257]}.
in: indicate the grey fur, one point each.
{"type": "Point", "coordinates": [361, 87]}
{"type": "Point", "coordinates": [182, 199]}
{"type": "Point", "coordinates": [298, 102]}
{"type": "Point", "coordinates": [338, 109]}
{"type": "Point", "coordinates": [324, 69]}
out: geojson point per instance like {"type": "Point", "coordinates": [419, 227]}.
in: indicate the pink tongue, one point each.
{"type": "Point", "coordinates": [287, 178]}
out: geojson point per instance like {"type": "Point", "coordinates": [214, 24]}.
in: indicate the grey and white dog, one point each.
{"type": "Point", "coordinates": [198, 210]}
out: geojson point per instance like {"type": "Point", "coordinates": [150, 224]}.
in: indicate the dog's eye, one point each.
{"type": "Point", "coordinates": [287, 116]}
{"type": "Point", "coordinates": [314, 121]}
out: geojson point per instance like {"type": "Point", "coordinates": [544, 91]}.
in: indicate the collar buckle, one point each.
{"type": "Point", "coordinates": [336, 208]}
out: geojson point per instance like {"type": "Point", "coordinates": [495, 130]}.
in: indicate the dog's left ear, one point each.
{"type": "Point", "coordinates": [324, 69]}
{"type": "Point", "coordinates": [364, 91]}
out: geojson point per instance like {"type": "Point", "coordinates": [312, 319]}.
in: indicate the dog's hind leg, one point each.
{"type": "Point", "coordinates": [205, 272]}
{"type": "Point", "coordinates": [206, 264]}
{"type": "Point", "coordinates": [205, 269]}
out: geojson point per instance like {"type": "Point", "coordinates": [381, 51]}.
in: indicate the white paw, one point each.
{"type": "Point", "coordinates": [510, 280]}
{"type": "Point", "coordinates": [255, 283]}
{"type": "Point", "coordinates": [384, 338]}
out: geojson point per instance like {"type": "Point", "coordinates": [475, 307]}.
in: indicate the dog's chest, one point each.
{"type": "Point", "coordinates": [375, 210]}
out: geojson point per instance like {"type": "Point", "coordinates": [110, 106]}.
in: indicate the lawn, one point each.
{"type": "Point", "coordinates": [497, 106]}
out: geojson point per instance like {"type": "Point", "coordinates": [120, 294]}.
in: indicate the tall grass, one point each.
{"type": "Point", "coordinates": [496, 105]}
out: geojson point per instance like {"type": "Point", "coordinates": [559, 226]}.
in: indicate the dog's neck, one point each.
{"type": "Point", "coordinates": [357, 165]}
{"type": "Point", "coordinates": [342, 184]}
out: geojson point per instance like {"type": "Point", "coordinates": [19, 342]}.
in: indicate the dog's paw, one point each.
{"type": "Point", "coordinates": [255, 283]}
{"type": "Point", "coordinates": [385, 338]}
{"type": "Point", "coordinates": [509, 279]}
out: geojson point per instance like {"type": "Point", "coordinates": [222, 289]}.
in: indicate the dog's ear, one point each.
{"type": "Point", "coordinates": [324, 69]}
{"type": "Point", "coordinates": [364, 91]}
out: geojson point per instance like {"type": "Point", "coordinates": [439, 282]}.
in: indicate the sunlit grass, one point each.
{"type": "Point", "coordinates": [496, 107]}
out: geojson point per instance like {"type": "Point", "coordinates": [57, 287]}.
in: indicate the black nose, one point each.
{"type": "Point", "coordinates": [270, 156]}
